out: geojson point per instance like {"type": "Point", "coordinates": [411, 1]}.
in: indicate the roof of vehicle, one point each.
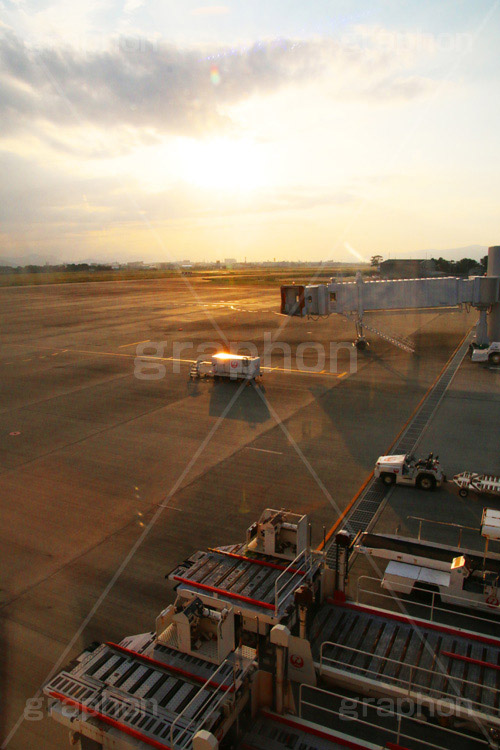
{"type": "Point", "coordinates": [392, 459]}
{"type": "Point", "coordinates": [228, 355]}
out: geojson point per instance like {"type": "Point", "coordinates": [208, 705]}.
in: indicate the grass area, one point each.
{"type": "Point", "coordinates": [253, 277]}
{"type": "Point", "coordinates": [80, 277]}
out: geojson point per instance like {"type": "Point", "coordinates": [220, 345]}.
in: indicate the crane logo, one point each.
{"type": "Point", "coordinates": [234, 363]}
{"type": "Point", "coordinates": [296, 661]}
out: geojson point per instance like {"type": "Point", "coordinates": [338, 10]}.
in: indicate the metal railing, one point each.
{"type": "Point", "coordinates": [460, 601]}
{"type": "Point", "coordinates": [458, 526]}
{"type": "Point", "coordinates": [304, 559]}
{"type": "Point", "coordinates": [397, 733]}
{"type": "Point", "coordinates": [425, 691]}
{"type": "Point", "coordinates": [205, 710]}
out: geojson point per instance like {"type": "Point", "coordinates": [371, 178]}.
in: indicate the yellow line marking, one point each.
{"type": "Point", "coordinates": [54, 354]}
{"type": "Point", "coordinates": [135, 343]}
{"type": "Point", "coordinates": [26, 360]}
{"type": "Point", "coordinates": [154, 358]}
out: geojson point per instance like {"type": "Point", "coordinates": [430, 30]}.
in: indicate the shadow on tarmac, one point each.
{"type": "Point", "coordinates": [248, 407]}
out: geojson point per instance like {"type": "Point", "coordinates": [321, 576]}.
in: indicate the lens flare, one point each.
{"type": "Point", "coordinates": [215, 75]}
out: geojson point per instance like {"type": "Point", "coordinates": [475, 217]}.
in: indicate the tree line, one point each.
{"type": "Point", "coordinates": [448, 267]}
{"type": "Point", "coordinates": [71, 267]}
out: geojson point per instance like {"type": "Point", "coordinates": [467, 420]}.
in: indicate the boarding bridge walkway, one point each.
{"type": "Point", "coordinates": [363, 512]}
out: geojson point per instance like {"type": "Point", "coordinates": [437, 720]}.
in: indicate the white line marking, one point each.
{"type": "Point", "coordinates": [264, 450]}
{"type": "Point", "coordinates": [134, 343]}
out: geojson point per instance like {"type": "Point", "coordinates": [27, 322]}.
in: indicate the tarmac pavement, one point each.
{"type": "Point", "coordinates": [90, 454]}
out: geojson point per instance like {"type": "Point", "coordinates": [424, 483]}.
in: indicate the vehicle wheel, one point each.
{"type": "Point", "coordinates": [426, 482]}
{"type": "Point", "coordinates": [388, 479]}
{"type": "Point", "coordinates": [495, 358]}
{"type": "Point", "coordinates": [463, 492]}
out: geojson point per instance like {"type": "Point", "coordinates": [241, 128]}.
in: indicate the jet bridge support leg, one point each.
{"type": "Point", "coordinates": [482, 327]}
{"type": "Point", "coordinates": [494, 316]}
{"type": "Point", "coordinates": [361, 342]}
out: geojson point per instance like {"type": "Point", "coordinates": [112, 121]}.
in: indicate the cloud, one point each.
{"type": "Point", "coordinates": [403, 88]}
{"type": "Point", "coordinates": [210, 10]}
{"type": "Point", "coordinates": [138, 85]}
{"type": "Point", "coordinates": [38, 200]}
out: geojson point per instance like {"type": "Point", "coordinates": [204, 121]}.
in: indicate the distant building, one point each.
{"type": "Point", "coordinates": [407, 269]}
{"type": "Point", "coordinates": [228, 262]}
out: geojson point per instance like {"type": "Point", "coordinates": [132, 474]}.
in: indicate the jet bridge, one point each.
{"type": "Point", "coordinates": [354, 298]}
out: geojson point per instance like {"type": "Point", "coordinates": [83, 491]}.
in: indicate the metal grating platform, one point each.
{"type": "Point", "coordinates": [437, 662]}
{"type": "Point", "coordinates": [368, 503]}
{"type": "Point", "coordinates": [148, 699]}
{"type": "Point", "coordinates": [249, 582]}
{"type": "Point", "coordinates": [269, 734]}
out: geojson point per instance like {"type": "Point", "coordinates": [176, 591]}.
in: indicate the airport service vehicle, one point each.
{"type": "Point", "coordinates": [252, 624]}
{"type": "Point", "coordinates": [227, 365]}
{"type": "Point", "coordinates": [487, 353]}
{"type": "Point", "coordinates": [480, 483]}
{"type": "Point", "coordinates": [471, 581]}
{"type": "Point", "coordinates": [405, 469]}
{"type": "Point", "coordinates": [462, 585]}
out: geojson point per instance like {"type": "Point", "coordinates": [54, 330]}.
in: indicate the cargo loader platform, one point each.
{"type": "Point", "coordinates": [380, 653]}
{"type": "Point", "coordinates": [256, 587]}
{"type": "Point", "coordinates": [148, 699]}
{"type": "Point", "coordinates": [273, 732]}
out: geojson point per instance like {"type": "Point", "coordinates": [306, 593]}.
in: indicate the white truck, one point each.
{"type": "Point", "coordinates": [426, 473]}
{"type": "Point", "coordinates": [461, 584]}
{"type": "Point", "coordinates": [489, 353]}
{"type": "Point", "coordinates": [472, 579]}
{"type": "Point", "coordinates": [228, 366]}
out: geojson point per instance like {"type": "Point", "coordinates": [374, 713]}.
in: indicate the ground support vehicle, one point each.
{"type": "Point", "coordinates": [425, 474]}
{"type": "Point", "coordinates": [489, 353]}
{"type": "Point", "coordinates": [227, 366]}
{"type": "Point", "coordinates": [480, 483]}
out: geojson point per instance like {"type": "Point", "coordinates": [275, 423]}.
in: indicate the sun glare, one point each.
{"type": "Point", "coordinates": [221, 163]}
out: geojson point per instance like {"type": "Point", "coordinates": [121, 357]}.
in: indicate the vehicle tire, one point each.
{"type": "Point", "coordinates": [495, 358]}
{"type": "Point", "coordinates": [388, 479]}
{"type": "Point", "coordinates": [463, 492]}
{"type": "Point", "coordinates": [361, 344]}
{"type": "Point", "coordinates": [426, 482]}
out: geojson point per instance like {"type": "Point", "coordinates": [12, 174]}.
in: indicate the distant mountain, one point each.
{"type": "Point", "coordinates": [30, 259]}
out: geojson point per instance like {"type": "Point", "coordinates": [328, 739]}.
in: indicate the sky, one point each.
{"type": "Point", "coordinates": [164, 130]}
